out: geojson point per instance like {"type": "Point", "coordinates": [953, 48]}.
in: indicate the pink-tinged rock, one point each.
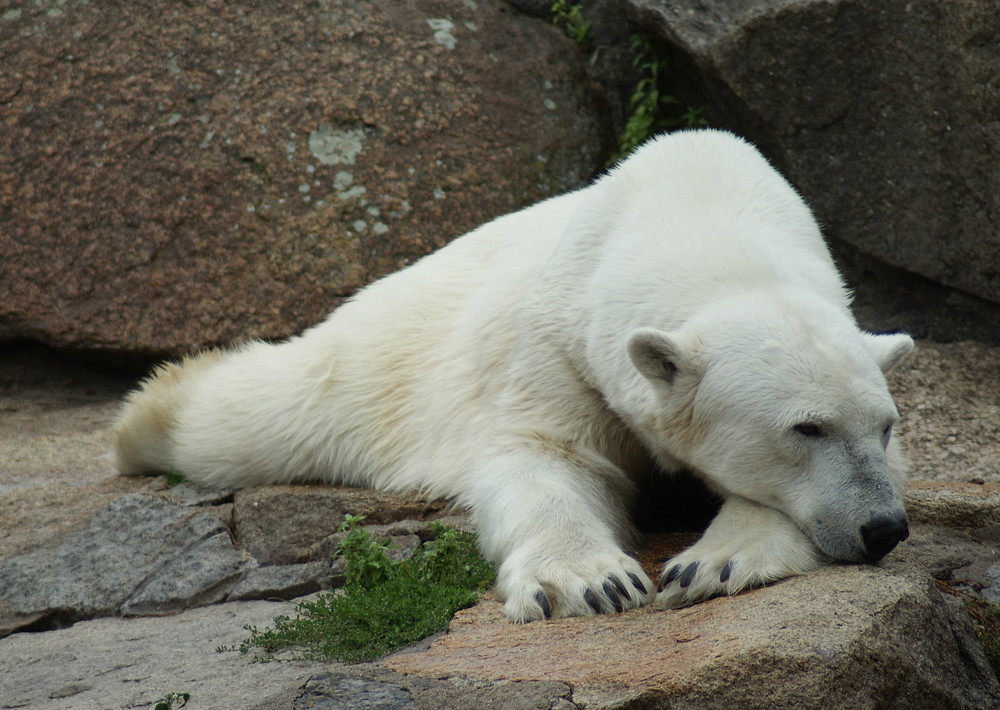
{"type": "Point", "coordinates": [844, 637]}
{"type": "Point", "coordinates": [174, 175]}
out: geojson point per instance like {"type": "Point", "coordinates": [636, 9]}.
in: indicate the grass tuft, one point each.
{"type": "Point", "coordinates": [385, 604]}
{"type": "Point", "coordinates": [568, 16]}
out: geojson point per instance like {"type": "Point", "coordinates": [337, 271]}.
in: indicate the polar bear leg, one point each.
{"type": "Point", "coordinates": [747, 545]}
{"type": "Point", "coordinates": [555, 519]}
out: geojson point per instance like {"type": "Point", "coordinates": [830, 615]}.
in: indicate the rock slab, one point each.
{"type": "Point", "coordinates": [138, 555]}
{"type": "Point", "coordinates": [840, 638]}
{"type": "Point", "coordinates": [131, 663]}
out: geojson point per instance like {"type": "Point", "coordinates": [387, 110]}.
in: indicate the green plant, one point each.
{"type": "Point", "coordinates": [168, 700]}
{"type": "Point", "coordinates": [174, 478]}
{"type": "Point", "coordinates": [653, 110]}
{"type": "Point", "coordinates": [385, 604]}
{"type": "Point", "coordinates": [568, 16]}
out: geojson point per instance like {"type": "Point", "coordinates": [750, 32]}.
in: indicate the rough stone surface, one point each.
{"type": "Point", "coordinates": [281, 581]}
{"type": "Point", "coordinates": [377, 690]}
{"type": "Point", "coordinates": [203, 573]}
{"type": "Point", "coordinates": [332, 691]}
{"type": "Point", "coordinates": [285, 524]}
{"type": "Point", "coordinates": [143, 554]}
{"type": "Point", "coordinates": [139, 554]}
{"type": "Point", "coordinates": [949, 399]}
{"type": "Point", "coordinates": [130, 663]}
{"type": "Point", "coordinates": [954, 505]}
{"type": "Point", "coordinates": [176, 175]}
{"type": "Point", "coordinates": [882, 112]}
{"type": "Point", "coordinates": [843, 637]}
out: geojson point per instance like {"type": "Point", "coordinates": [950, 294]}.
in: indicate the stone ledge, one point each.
{"type": "Point", "coordinates": [841, 637]}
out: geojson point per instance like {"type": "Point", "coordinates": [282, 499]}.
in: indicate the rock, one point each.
{"type": "Point", "coordinates": [282, 581]}
{"type": "Point", "coordinates": [333, 691]}
{"type": "Point", "coordinates": [130, 663]}
{"type": "Point", "coordinates": [947, 396]}
{"type": "Point", "coordinates": [880, 111]}
{"type": "Point", "coordinates": [842, 637]}
{"type": "Point", "coordinates": [959, 505]}
{"type": "Point", "coordinates": [991, 592]}
{"type": "Point", "coordinates": [201, 574]}
{"type": "Point", "coordinates": [285, 524]}
{"type": "Point", "coordinates": [178, 175]}
{"type": "Point", "coordinates": [138, 554]}
{"type": "Point", "coordinates": [365, 689]}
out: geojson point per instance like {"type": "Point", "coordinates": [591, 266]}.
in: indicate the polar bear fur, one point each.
{"type": "Point", "coordinates": [681, 312]}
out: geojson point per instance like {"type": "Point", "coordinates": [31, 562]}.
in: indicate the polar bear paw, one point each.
{"type": "Point", "coordinates": [551, 587]}
{"type": "Point", "coordinates": [725, 565]}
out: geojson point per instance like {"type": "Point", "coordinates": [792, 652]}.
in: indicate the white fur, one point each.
{"type": "Point", "coordinates": [682, 310]}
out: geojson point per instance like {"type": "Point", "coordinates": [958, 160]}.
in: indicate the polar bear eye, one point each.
{"type": "Point", "coordinates": [886, 435]}
{"type": "Point", "coordinates": [809, 429]}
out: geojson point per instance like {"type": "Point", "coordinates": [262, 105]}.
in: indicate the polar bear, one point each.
{"type": "Point", "coordinates": [682, 312]}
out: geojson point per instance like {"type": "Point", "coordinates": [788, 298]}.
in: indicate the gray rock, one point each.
{"type": "Point", "coordinates": [194, 495]}
{"type": "Point", "coordinates": [334, 691]}
{"type": "Point", "coordinates": [882, 112]}
{"type": "Point", "coordinates": [138, 545]}
{"type": "Point", "coordinates": [365, 687]}
{"type": "Point", "coordinates": [282, 581]}
{"type": "Point", "coordinates": [130, 663]}
{"type": "Point", "coordinates": [200, 574]}
{"type": "Point", "coordinates": [992, 589]}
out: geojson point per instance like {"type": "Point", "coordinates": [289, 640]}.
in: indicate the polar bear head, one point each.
{"type": "Point", "coordinates": [786, 410]}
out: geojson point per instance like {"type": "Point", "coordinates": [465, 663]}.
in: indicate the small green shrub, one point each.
{"type": "Point", "coordinates": [567, 15]}
{"type": "Point", "coordinates": [174, 478]}
{"type": "Point", "coordinates": [385, 604]}
{"type": "Point", "coordinates": [652, 109]}
{"type": "Point", "coordinates": [171, 701]}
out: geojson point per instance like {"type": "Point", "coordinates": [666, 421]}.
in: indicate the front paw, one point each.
{"type": "Point", "coordinates": [546, 586]}
{"type": "Point", "coordinates": [724, 567]}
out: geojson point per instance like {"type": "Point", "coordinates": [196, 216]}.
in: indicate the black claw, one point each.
{"type": "Point", "coordinates": [669, 576]}
{"type": "Point", "coordinates": [688, 575]}
{"type": "Point", "coordinates": [620, 587]}
{"type": "Point", "coordinates": [616, 600]}
{"type": "Point", "coordinates": [726, 571]}
{"type": "Point", "coordinates": [637, 583]}
{"type": "Point", "coordinates": [591, 599]}
{"type": "Point", "coordinates": [543, 601]}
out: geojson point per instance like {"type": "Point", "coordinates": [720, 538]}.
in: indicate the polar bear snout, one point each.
{"type": "Point", "coordinates": [881, 535]}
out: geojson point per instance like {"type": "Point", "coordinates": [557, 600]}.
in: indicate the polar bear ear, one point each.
{"type": "Point", "coordinates": [659, 355]}
{"type": "Point", "coordinates": [890, 349]}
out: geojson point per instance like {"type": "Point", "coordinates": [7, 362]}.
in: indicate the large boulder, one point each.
{"type": "Point", "coordinates": [179, 175]}
{"type": "Point", "coordinates": [840, 638]}
{"type": "Point", "coordinates": [882, 112]}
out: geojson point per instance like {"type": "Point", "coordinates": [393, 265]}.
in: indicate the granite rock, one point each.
{"type": "Point", "coordinates": [843, 637]}
{"type": "Point", "coordinates": [179, 175]}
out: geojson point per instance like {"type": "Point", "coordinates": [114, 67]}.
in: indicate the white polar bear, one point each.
{"type": "Point", "coordinates": [681, 312]}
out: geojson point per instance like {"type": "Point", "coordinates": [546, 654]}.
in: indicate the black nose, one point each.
{"type": "Point", "coordinates": [883, 534]}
